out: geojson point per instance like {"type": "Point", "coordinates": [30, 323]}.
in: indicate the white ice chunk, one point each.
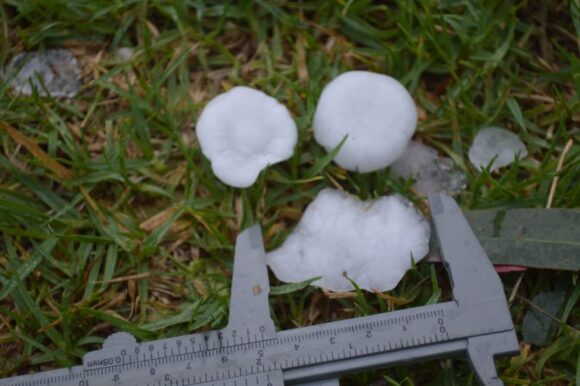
{"type": "Point", "coordinates": [492, 142]}
{"type": "Point", "coordinates": [374, 110]}
{"type": "Point", "coordinates": [124, 54]}
{"type": "Point", "coordinates": [432, 173]}
{"type": "Point", "coordinates": [373, 242]}
{"type": "Point", "coordinates": [242, 131]}
{"type": "Point", "coordinates": [57, 69]}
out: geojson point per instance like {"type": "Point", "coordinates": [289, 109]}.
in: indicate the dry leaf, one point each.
{"type": "Point", "coordinates": [301, 60]}
{"type": "Point", "coordinates": [45, 159]}
{"type": "Point", "coordinates": [157, 220]}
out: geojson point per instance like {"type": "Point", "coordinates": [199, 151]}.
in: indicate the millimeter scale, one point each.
{"type": "Point", "coordinates": [249, 351]}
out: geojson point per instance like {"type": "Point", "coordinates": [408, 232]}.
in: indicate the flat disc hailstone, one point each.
{"type": "Point", "coordinates": [57, 69]}
{"type": "Point", "coordinates": [242, 131]}
{"type": "Point", "coordinates": [495, 144]}
{"type": "Point", "coordinates": [375, 111]}
{"type": "Point", "coordinates": [373, 242]}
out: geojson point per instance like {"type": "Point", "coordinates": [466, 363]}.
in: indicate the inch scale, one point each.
{"type": "Point", "coordinates": [249, 351]}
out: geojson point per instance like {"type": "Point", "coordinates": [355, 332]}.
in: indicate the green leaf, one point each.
{"type": "Point", "coordinates": [516, 112]}
{"type": "Point", "coordinates": [538, 238]}
{"type": "Point", "coordinates": [26, 267]}
{"type": "Point", "coordinates": [26, 303]}
{"type": "Point", "coordinates": [117, 321]}
{"type": "Point", "coordinates": [569, 340]}
{"type": "Point", "coordinates": [110, 265]}
{"type": "Point", "coordinates": [324, 161]}
{"type": "Point", "coordinates": [538, 327]}
{"type": "Point", "coordinates": [292, 287]}
{"type": "Point", "coordinates": [578, 370]}
{"type": "Point", "coordinates": [92, 279]}
{"type": "Point", "coordinates": [572, 299]}
{"type": "Point", "coordinates": [182, 317]}
{"type": "Point", "coordinates": [575, 12]}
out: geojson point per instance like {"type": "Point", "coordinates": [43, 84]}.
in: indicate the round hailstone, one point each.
{"type": "Point", "coordinates": [242, 131]}
{"type": "Point", "coordinates": [372, 242]}
{"type": "Point", "coordinates": [498, 145]}
{"type": "Point", "coordinates": [58, 69]}
{"type": "Point", "coordinates": [376, 113]}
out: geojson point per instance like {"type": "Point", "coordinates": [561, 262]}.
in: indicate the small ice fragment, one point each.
{"type": "Point", "coordinates": [124, 54]}
{"type": "Point", "coordinates": [432, 173]}
{"type": "Point", "coordinates": [372, 242]}
{"type": "Point", "coordinates": [242, 131]}
{"type": "Point", "coordinates": [375, 111]}
{"type": "Point", "coordinates": [492, 142]}
{"type": "Point", "coordinates": [58, 69]}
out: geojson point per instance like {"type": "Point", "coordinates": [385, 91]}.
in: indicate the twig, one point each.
{"type": "Point", "coordinates": [558, 169]}
{"type": "Point", "coordinates": [339, 295]}
{"type": "Point", "coordinates": [516, 287]}
{"type": "Point", "coordinates": [533, 97]}
{"type": "Point", "coordinates": [138, 276]}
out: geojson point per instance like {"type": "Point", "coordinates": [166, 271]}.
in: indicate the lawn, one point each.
{"type": "Point", "coordinates": [112, 220]}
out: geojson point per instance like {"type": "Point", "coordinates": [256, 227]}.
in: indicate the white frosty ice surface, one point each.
{"type": "Point", "coordinates": [432, 173]}
{"type": "Point", "coordinates": [242, 131]}
{"type": "Point", "coordinates": [124, 54]}
{"type": "Point", "coordinates": [374, 110]}
{"type": "Point", "coordinates": [58, 69]}
{"type": "Point", "coordinates": [373, 242]}
{"type": "Point", "coordinates": [494, 142]}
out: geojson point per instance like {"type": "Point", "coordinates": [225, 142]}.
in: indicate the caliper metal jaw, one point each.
{"type": "Point", "coordinates": [475, 284]}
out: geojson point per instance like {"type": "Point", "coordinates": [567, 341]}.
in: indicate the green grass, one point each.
{"type": "Point", "coordinates": [76, 259]}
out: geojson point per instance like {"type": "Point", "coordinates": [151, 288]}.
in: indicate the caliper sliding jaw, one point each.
{"type": "Point", "coordinates": [475, 284]}
{"type": "Point", "coordinates": [249, 351]}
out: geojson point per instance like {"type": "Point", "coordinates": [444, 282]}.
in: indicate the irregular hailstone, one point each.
{"type": "Point", "coordinates": [58, 69]}
{"type": "Point", "coordinates": [492, 142]}
{"type": "Point", "coordinates": [376, 113]}
{"type": "Point", "coordinates": [242, 131]}
{"type": "Point", "coordinates": [373, 242]}
{"type": "Point", "coordinates": [432, 173]}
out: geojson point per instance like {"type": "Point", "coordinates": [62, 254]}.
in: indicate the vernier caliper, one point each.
{"type": "Point", "coordinates": [249, 351]}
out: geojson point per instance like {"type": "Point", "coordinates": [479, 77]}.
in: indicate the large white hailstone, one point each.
{"type": "Point", "coordinates": [498, 143]}
{"type": "Point", "coordinates": [242, 131]}
{"type": "Point", "coordinates": [375, 111]}
{"type": "Point", "coordinates": [372, 242]}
